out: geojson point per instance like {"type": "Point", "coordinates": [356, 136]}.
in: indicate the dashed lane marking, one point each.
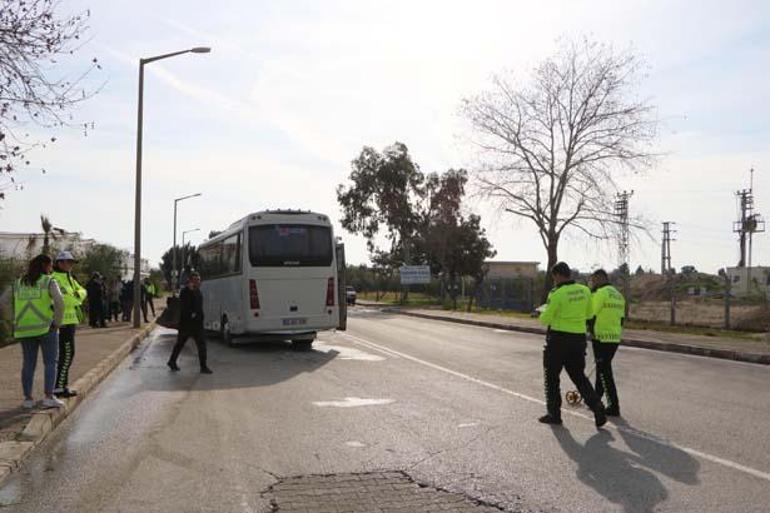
{"type": "Point", "coordinates": [693, 452]}
{"type": "Point", "coordinates": [353, 402]}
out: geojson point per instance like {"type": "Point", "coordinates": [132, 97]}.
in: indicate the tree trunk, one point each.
{"type": "Point", "coordinates": [552, 249]}
{"type": "Point", "coordinates": [473, 295]}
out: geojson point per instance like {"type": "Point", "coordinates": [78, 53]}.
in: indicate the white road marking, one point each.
{"type": "Point", "coordinates": [498, 330]}
{"type": "Point", "coordinates": [468, 424]}
{"type": "Point", "coordinates": [347, 353]}
{"type": "Point", "coordinates": [353, 402]}
{"type": "Point", "coordinates": [355, 444]}
{"type": "Point", "coordinates": [693, 452]}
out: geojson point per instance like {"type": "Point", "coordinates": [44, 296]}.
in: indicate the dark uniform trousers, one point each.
{"type": "Point", "coordinates": [605, 381]}
{"type": "Point", "coordinates": [197, 334]}
{"type": "Point", "coordinates": [66, 354]}
{"type": "Point", "coordinates": [566, 351]}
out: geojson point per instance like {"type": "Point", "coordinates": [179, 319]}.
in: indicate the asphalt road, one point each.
{"type": "Point", "coordinates": [454, 407]}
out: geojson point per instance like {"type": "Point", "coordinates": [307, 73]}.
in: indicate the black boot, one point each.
{"type": "Point", "coordinates": [550, 419]}
{"type": "Point", "coordinates": [599, 416]}
{"type": "Point", "coordinates": [173, 366]}
{"type": "Point", "coordinates": [206, 370]}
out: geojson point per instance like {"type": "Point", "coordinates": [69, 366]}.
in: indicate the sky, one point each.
{"type": "Point", "coordinates": [292, 91]}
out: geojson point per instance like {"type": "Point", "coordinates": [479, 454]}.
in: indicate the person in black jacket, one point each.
{"type": "Point", "coordinates": [95, 289]}
{"type": "Point", "coordinates": [190, 323]}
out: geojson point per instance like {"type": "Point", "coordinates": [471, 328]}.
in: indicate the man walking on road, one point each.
{"type": "Point", "coordinates": [609, 310]}
{"type": "Point", "coordinates": [191, 323]}
{"type": "Point", "coordinates": [566, 312]}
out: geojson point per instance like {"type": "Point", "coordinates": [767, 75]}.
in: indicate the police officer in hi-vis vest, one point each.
{"type": "Point", "coordinates": [37, 313]}
{"type": "Point", "coordinates": [74, 295]}
{"type": "Point", "coordinates": [609, 310]}
{"type": "Point", "coordinates": [565, 314]}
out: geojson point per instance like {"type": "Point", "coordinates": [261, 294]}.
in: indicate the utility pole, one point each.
{"type": "Point", "coordinates": [621, 211]}
{"type": "Point", "coordinates": [747, 225]}
{"type": "Point", "coordinates": [665, 265]}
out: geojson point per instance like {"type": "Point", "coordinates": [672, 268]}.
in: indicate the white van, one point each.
{"type": "Point", "coordinates": [275, 275]}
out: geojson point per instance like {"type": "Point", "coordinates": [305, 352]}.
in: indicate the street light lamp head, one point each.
{"type": "Point", "coordinates": [201, 49]}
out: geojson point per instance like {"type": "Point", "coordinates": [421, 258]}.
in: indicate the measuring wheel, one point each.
{"type": "Point", "coordinates": [573, 397]}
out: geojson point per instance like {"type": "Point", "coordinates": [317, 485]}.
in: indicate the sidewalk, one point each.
{"type": "Point", "coordinates": [747, 350]}
{"type": "Point", "coordinates": [92, 346]}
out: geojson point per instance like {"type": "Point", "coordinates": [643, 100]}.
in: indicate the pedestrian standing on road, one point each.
{"type": "Point", "coordinates": [150, 292]}
{"type": "Point", "coordinates": [565, 314]}
{"type": "Point", "coordinates": [38, 309]}
{"type": "Point", "coordinates": [74, 295]}
{"type": "Point", "coordinates": [609, 310]}
{"type": "Point", "coordinates": [95, 290]}
{"type": "Point", "coordinates": [191, 322]}
{"type": "Point", "coordinates": [127, 300]}
{"type": "Point", "coordinates": [113, 292]}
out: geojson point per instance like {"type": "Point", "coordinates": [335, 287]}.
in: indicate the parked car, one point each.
{"type": "Point", "coordinates": [350, 294]}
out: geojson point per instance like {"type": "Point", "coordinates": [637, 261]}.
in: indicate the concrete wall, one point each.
{"type": "Point", "coordinates": [506, 270]}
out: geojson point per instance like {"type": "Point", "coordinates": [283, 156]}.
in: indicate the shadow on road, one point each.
{"type": "Point", "coordinates": [658, 455]}
{"type": "Point", "coordinates": [613, 473]}
{"type": "Point", "coordinates": [246, 366]}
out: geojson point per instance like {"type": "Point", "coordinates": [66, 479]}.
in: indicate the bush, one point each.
{"type": "Point", "coordinates": [10, 269]}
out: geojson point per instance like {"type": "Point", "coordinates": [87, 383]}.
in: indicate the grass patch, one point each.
{"type": "Point", "coordinates": [691, 330]}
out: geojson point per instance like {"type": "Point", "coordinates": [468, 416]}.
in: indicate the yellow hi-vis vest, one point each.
{"type": "Point", "coordinates": [72, 294]}
{"type": "Point", "coordinates": [609, 308]}
{"type": "Point", "coordinates": [568, 308]}
{"type": "Point", "coordinates": [32, 308]}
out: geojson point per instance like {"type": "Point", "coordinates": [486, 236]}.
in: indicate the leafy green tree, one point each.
{"type": "Point", "coordinates": [385, 191]}
{"type": "Point", "coordinates": [105, 259]}
{"type": "Point", "coordinates": [192, 257]}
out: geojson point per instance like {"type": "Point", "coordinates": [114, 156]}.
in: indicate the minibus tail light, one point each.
{"type": "Point", "coordinates": [330, 292]}
{"type": "Point", "coordinates": [253, 295]}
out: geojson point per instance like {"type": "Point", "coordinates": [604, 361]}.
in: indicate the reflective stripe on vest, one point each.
{"type": "Point", "coordinates": [33, 308]}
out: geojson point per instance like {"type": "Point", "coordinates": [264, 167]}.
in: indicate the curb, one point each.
{"type": "Point", "coordinates": [42, 423]}
{"type": "Point", "coordinates": [724, 354]}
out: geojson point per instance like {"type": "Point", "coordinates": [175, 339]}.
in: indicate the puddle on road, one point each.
{"type": "Point", "coordinates": [353, 402]}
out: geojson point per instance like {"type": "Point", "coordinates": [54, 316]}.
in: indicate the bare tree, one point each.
{"type": "Point", "coordinates": [553, 145]}
{"type": "Point", "coordinates": [35, 92]}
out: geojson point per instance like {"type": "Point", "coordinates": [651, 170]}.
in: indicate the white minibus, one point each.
{"type": "Point", "coordinates": [275, 275]}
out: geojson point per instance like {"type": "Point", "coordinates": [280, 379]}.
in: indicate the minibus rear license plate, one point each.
{"type": "Point", "coordinates": [294, 322]}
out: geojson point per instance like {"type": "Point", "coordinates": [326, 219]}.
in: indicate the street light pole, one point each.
{"type": "Point", "coordinates": [183, 243]}
{"type": "Point", "coordinates": [138, 198]}
{"type": "Point", "coordinates": [174, 270]}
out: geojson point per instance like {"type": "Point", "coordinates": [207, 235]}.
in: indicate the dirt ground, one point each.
{"type": "Point", "coordinates": [707, 313]}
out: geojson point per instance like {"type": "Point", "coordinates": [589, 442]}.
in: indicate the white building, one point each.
{"type": "Point", "coordinates": [742, 277]}
{"type": "Point", "coordinates": [23, 246]}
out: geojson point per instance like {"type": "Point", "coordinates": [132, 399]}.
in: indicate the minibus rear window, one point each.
{"type": "Point", "coordinates": [295, 245]}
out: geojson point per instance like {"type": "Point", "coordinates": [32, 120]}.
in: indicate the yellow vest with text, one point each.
{"type": "Point", "coordinates": [32, 308]}
{"type": "Point", "coordinates": [73, 295]}
{"type": "Point", "coordinates": [568, 308]}
{"type": "Point", "coordinates": [609, 307]}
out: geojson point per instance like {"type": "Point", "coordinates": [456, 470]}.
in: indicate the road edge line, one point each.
{"type": "Point", "coordinates": [43, 423]}
{"type": "Point", "coordinates": [722, 354]}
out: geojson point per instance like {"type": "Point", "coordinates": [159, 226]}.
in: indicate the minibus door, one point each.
{"type": "Point", "coordinates": [342, 298]}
